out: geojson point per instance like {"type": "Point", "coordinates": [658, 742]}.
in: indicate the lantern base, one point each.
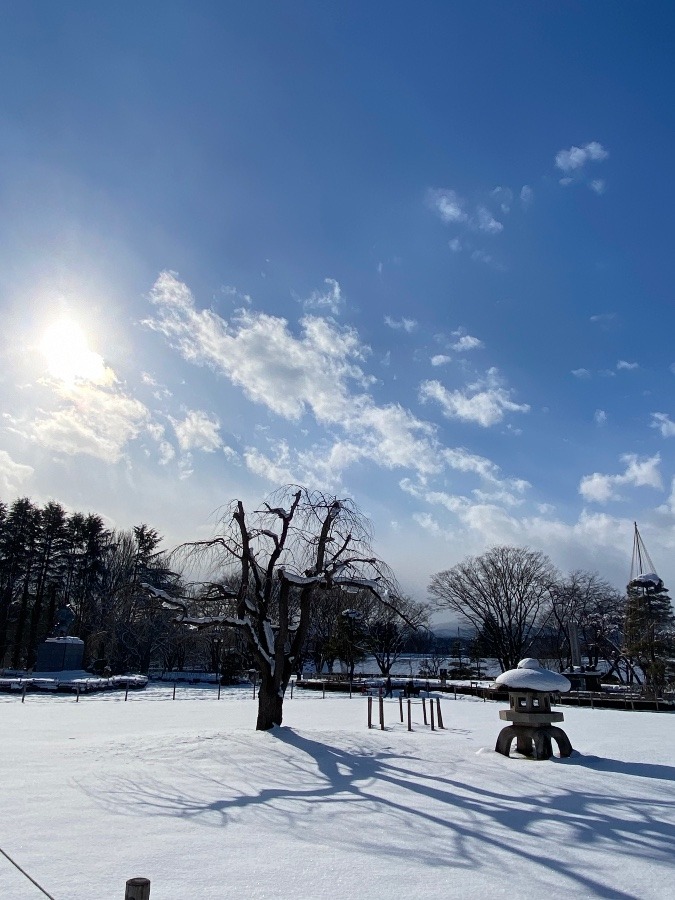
{"type": "Point", "coordinates": [533, 741]}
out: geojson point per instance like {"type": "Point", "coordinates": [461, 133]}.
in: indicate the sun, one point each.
{"type": "Point", "coordinates": [69, 358]}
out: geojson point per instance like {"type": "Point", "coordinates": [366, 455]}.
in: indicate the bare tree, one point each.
{"type": "Point", "coordinates": [504, 594]}
{"type": "Point", "coordinates": [386, 633]}
{"type": "Point", "coordinates": [300, 543]}
{"type": "Point", "coordinates": [586, 611]}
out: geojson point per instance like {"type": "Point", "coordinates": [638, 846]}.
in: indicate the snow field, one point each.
{"type": "Point", "coordinates": [188, 794]}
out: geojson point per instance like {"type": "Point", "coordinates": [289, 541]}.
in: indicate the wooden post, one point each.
{"type": "Point", "coordinates": [409, 715]}
{"type": "Point", "coordinates": [438, 710]}
{"type": "Point", "coordinates": [137, 889]}
{"type": "Point", "coordinates": [23, 692]}
{"type": "Point", "coordinates": [323, 688]}
{"type": "Point", "coordinates": [174, 690]}
{"type": "Point", "coordinates": [292, 683]}
{"type": "Point", "coordinates": [126, 691]}
{"type": "Point", "coordinates": [431, 709]}
{"type": "Point", "coordinates": [77, 694]}
{"type": "Point", "coordinates": [350, 689]}
{"type": "Point", "coordinates": [218, 697]}
{"type": "Point", "coordinates": [400, 703]}
{"type": "Point", "coordinates": [424, 710]}
{"type": "Point", "coordinates": [381, 701]}
{"type": "Point", "coordinates": [454, 687]}
{"type": "Point", "coordinates": [370, 711]}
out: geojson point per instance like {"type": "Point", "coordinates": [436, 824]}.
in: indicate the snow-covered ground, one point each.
{"type": "Point", "coordinates": [188, 794]}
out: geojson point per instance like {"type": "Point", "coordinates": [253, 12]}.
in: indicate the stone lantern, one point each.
{"type": "Point", "coordinates": [530, 688]}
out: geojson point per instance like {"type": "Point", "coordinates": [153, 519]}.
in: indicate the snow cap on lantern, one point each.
{"type": "Point", "coordinates": [530, 676]}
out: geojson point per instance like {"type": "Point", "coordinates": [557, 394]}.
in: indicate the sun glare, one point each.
{"type": "Point", "coordinates": [68, 356]}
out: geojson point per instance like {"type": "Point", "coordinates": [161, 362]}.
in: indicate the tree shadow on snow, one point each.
{"type": "Point", "coordinates": [444, 822]}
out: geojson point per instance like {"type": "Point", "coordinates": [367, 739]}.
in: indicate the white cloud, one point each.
{"type": "Point", "coordinates": [90, 420]}
{"type": "Point", "coordinates": [526, 195]}
{"type": "Point", "coordinates": [466, 342]}
{"type": "Point", "coordinates": [599, 488]}
{"type": "Point", "coordinates": [440, 359]}
{"type": "Point", "coordinates": [600, 417]}
{"type": "Point", "coordinates": [576, 157]}
{"type": "Point", "coordinates": [664, 423]}
{"type": "Point", "coordinates": [293, 375]}
{"type": "Point", "coordinates": [627, 366]}
{"type": "Point", "coordinates": [12, 474]}
{"type": "Point", "coordinates": [484, 402]}
{"type": "Point", "coordinates": [166, 453]}
{"type": "Point", "coordinates": [581, 373]}
{"type": "Point", "coordinates": [448, 205]}
{"type": "Point", "coordinates": [452, 210]}
{"type": "Point", "coordinates": [197, 431]}
{"type": "Point", "coordinates": [603, 319]}
{"type": "Point", "coordinates": [504, 197]}
{"type": "Point", "coordinates": [597, 185]}
{"type": "Point", "coordinates": [480, 255]}
{"type": "Point", "coordinates": [330, 300]}
{"type": "Point", "coordinates": [277, 470]}
{"type": "Point", "coordinates": [483, 220]}
{"type": "Point", "coordinates": [408, 325]}
{"type": "Point", "coordinates": [455, 245]}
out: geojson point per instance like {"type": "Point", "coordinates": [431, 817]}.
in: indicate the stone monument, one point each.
{"type": "Point", "coordinates": [59, 652]}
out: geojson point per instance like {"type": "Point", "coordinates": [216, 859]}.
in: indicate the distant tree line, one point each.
{"type": "Point", "coordinates": [51, 559]}
{"type": "Point", "coordinates": [519, 605]}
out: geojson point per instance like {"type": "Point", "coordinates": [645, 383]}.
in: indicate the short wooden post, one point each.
{"type": "Point", "coordinates": [323, 688]}
{"type": "Point", "coordinates": [350, 689]}
{"type": "Point", "coordinates": [23, 692]}
{"type": "Point", "coordinates": [77, 694]}
{"type": "Point", "coordinates": [137, 889]}
{"type": "Point", "coordinates": [174, 691]}
{"type": "Point", "coordinates": [370, 711]}
{"type": "Point", "coordinates": [431, 709]}
{"type": "Point", "coordinates": [400, 704]}
{"type": "Point", "coordinates": [292, 683]}
{"type": "Point", "coordinates": [438, 710]}
{"type": "Point", "coordinates": [454, 687]}
{"type": "Point", "coordinates": [218, 697]}
{"type": "Point", "coordinates": [409, 715]}
{"type": "Point", "coordinates": [126, 691]}
{"type": "Point", "coordinates": [381, 699]}
{"type": "Point", "coordinates": [592, 702]}
{"type": "Point", "coordinates": [424, 710]}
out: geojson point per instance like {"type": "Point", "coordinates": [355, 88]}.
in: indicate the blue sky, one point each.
{"type": "Point", "coordinates": [417, 254]}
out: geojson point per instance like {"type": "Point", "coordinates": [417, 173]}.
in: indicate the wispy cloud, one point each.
{"type": "Point", "coordinates": [627, 366]}
{"type": "Point", "coordinates": [576, 157]}
{"type": "Point", "coordinates": [197, 431]}
{"type": "Point", "coordinates": [447, 204]}
{"type": "Point", "coordinates": [664, 423]}
{"type": "Point", "coordinates": [331, 300]}
{"type": "Point", "coordinates": [581, 373]}
{"type": "Point", "coordinates": [599, 488]}
{"type": "Point", "coordinates": [600, 417]}
{"type": "Point", "coordinates": [88, 419]}
{"type": "Point", "coordinates": [466, 342]}
{"type": "Point", "coordinates": [455, 210]}
{"type": "Point", "coordinates": [12, 474]}
{"type": "Point", "coordinates": [440, 359]}
{"type": "Point", "coordinates": [526, 195]}
{"type": "Point", "coordinates": [484, 402]}
{"type": "Point", "coordinates": [402, 324]}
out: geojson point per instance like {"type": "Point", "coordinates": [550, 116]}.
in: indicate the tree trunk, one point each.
{"type": "Point", "coordinates": [270, 705]}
